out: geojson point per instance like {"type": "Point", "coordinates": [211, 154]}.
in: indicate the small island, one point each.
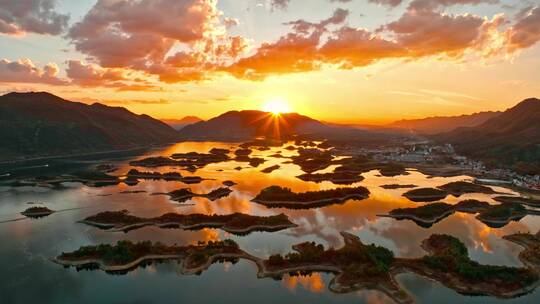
{"type": "Point", "coordinates": [448, 262]}
{"type": "Point", "coordinates": [229, 183]}
{"type": "Point", "coordinates": [184, 194]}
{"type": "Point", "coordinates": [518, 200]}
{"type": "Point", "coordinates": [424, 216]}
{"type": "Point", "coordinates": [425, 194]}
{"type": "Point", "coordinates": [133, 175]}
{"type": "Point", "coordinates": [37, 212]}
{"type": "Point", "coordinates": [270, 169]}
{"type": "Point", "coordinates": [276, 197]}
{"type": "Point", "coordinates": [500, 215]}
{"type": "Point", "coordinates": [189, 161]}
{"type": "Point", "coordinates": [392, 169]}
{"type": "Point", "coordinates": [530, 257]}
{"type": "Point", "coordinates": [236, 223]}
{"type": "Point", "coordinates": [90, 178]}
{"type": "Point", "coordinates": [338, 178]}
{"type": "Point", "coordinates": [459, 188]}
{"type": "Point", "coordinates": [398, 186]}
{"type": "Point", "coordinates": [126, 255]}
{"type": "Point", "coordinates": [243, 152]}
{"type": "Point", "coordinates": [311, 160]}
{"type": "Point", "coordinates": [494, 216]}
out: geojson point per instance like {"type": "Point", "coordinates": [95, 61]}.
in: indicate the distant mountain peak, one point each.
{"type": "Point", "coordinates": [248, 124]}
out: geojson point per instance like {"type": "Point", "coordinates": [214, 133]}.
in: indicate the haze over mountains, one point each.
{"type": "Point", "coordinates": [439, 124]}
{"type": "Point", "coordinates": [179, 124]}
{"type": "Point", "coordinates": [42, 124]}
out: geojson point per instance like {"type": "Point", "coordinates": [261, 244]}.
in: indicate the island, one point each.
{"type": "Point", "coordinates": [500, 215]}
{"type": "Point", "coordinates": [448, 262]}
{"type": "Point", "coordinates": [125, 256]}
{"type": "Point", "coordinates": [459, 188]}
{"type": "Point", "coordinates": [424, 216]}
{"type": "Point", "coordinates": [270, 169]}
{"type": "Point", "coordinates": [184, 194]}
{"type": "Point", "coordinates": [168, 176]}
{"type": "Point", "coordinates": [518, 200]}
{"type": "Point", "coordinates": [392, 169]}
{"type": "Point", "coordinates": [37, 212]}
{"type": "Point", "coordinates": [338, 178]}
{"type": "Point", "coordinates": [229, 183]}
{"type": "Point", "coordinates": [276, 197]}
{"type": "Point", "coordinates": [252, 161]}
{"type": "Point", "coordinates": [356, 266]}
{"type": "Point", "coordinates": [311, 160]}
{"type": "Point", "coordinates": [494, 216]}
{"type": "Point", "coordinates": [236, 223]}
{"type": "Point", "coordinates": [425, 194]}
{"type": "Point", "coordinates": [90, 178]}
{"type": "Point", "coordinates": [134, 175]}
{"type": "Point", "coordinates": [243, 152]}
{"type": "Point", "coordinates": [398, 186]}
{"type": "Point", "coordinates": [530, 256]}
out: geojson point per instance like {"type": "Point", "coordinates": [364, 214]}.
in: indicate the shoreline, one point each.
{"type": "Point", "coordinates": [217, 225]}
{"type": "Point", "coordinates": [329, 201]}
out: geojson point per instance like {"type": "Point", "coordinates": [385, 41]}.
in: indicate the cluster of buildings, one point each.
{"type": "Point", "coordinates": [424, 152]}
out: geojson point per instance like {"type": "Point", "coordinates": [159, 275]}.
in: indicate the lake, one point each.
{"type": "Point", "coordinates": [29, 244]}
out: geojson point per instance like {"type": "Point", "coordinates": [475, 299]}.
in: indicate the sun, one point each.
{"type": "Point", "coordinates": [276, 106]}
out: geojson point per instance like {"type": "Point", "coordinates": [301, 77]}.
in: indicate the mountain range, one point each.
{"type": "Point", "coordinates": [511, 138]}
{"type": "Point", "coordinates": [245, 125]}
{"type": "Point", "coordinates": [440, 124]}
{"type": "Point", "coordinates": [179, 124]}
{"type": "Point", "coordinates": [40, 124]}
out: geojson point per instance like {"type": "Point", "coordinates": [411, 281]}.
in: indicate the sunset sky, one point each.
{"type": "Point", "coordinates": [364, 61]}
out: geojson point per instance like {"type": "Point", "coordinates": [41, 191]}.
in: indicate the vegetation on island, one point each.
{"type": "Point", "coordinates": [125, 252]}
{"type": "Point", "coordinates": [276, 196]}
{"type": "Point", "coordinates": [491, 215]}
{"type": "Point", "coordinates": [530, 256]}
{"type": "Point", "coordinates": [425, 194]}
{"type": "Point", "coordinates": [234, 223]}
{"type": "Point", "coordinates": [356, 265]}
{"type": "Point", "coordinates": [449, 258]}
{"type": "Point", "coordinates": [37, 211]}
{"type": "Point", "coordinates": [270, 169]}
{"type": "Point", "coordinates": [184, 194]}
{"type": "Point", "coordinates": [398, 186]}
{"type": "Point", "coordinates": [459, 188]}
{"type": "Point", "coordinates": [339, 178]}
{"type": "Point", "coordinates": [518, 200]}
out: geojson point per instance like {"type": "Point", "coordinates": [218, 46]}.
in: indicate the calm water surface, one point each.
{"type": "Point", "coordinates": [27, 245]}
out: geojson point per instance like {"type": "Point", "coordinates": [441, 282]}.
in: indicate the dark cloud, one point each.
{"type": "Point", "coordinates": [18, 17]}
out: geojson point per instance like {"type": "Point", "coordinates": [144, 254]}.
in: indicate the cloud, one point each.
{"type": "Point", "coordinates": [138, 33]}
{"type": "Point", "coordinates": [353, 47]}
{"type": "Point", "coordinates": [279, 4]}
{"type": "Point", "coordinates": [91, 75]}
{"type": "Point", "coordinates": [391, 3]}
{"type": "Point", "coordinates": [84, 74]}
{"type": "Point", "coordinates": [18, 17]}
{"type": "Point", "coordinates": [433, 4]}
{"type": "Point", "coordinates": [526, 32]}
{"type": "Point", "coordinates": [24, 71]}
{"type": "Point", "coordinates": [428, 32]}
